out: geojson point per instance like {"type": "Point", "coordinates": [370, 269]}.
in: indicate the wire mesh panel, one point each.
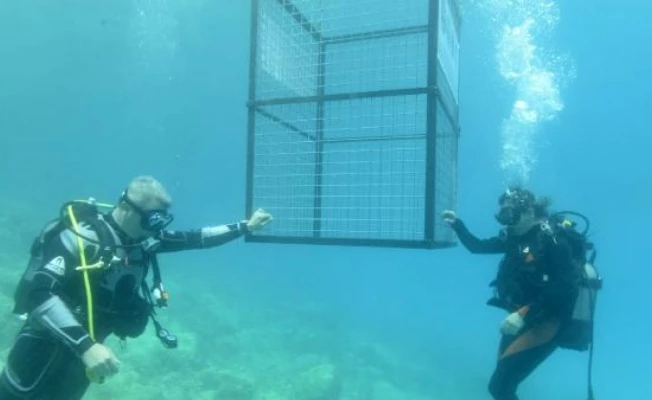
{"type": "Point", "coordinates": [353, 120]}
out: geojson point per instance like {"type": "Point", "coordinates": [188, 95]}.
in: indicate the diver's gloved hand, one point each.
{"type": "Point", "coordinates": [449, 216]}
{"type": "Point", "coordinates": [100, 362]}
{"type": "Point", "coordinates": [259, 219]}
{"type": "Point", "coordinates": [513, 324]}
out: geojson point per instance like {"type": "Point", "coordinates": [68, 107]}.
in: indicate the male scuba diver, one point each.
{"type": "Point", "coordinates": [86, 280]}
{"type": "Point", "coordinates": [538, 282]}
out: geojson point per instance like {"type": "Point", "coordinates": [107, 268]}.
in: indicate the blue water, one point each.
{"type": "Point", "coordinates": [91, 95]}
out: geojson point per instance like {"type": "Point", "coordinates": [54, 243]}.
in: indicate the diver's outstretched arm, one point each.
{"type": "Point", "coordinates": [494, 245]}
{"type": "Point", "coordinates": [211, 236]}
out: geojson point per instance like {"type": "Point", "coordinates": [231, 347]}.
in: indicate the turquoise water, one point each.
{"type": "Point", "coordinates": [551, 93]}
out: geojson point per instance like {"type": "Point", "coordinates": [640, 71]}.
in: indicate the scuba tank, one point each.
{"type": "Point", "coordinates": [588, 291]}
{"type": "Point", "coordinates": [581, 323]}
{"type": "Point", "coordinates": [578, 334]}
{"type": "Point", "coordinates": [584, 313]}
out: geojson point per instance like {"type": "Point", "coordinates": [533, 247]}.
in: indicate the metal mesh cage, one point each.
{"type": "Point", "coordinates": [353, 120]}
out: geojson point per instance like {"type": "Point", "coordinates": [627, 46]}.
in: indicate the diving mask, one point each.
{"type": "Point", "coordinates": [509, 215]}
{"type": "Point", "coordinates": [512, 205]}
{"type": "Point", "coordinates": [150, 220]}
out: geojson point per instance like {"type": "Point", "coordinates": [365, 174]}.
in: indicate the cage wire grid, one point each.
{"type": "Point", "coordinates": [353, 121]}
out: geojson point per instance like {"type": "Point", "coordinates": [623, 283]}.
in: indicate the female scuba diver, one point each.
{"type": "Point", "coordinates": [536, 284]}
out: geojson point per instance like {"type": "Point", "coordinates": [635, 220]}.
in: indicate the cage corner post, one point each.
{"type": "Point", "coordinates": [431, 124]}
{"type": "Point", "coordinates": [251, 110]}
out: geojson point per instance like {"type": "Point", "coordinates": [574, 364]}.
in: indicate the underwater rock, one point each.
{"type": "Point", "coordinates": [321, 382]}
{"type": "Point", "coordinates": [12, 323]}
{"type": "Point", "coordinates": [227, 348]}
{"type": "Point", "coordinates": [272, 396]}
{"type": "Point", "coordinates": [11, 269]}
{"type": "Point", "coordinates": [227, 384]}
{"type": "Point", "coordinates": [386, 391]}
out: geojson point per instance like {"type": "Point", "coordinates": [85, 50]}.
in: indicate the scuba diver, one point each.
{"type": "Point", "coordinates": [86, 280]}
{"type": "Point", "coordinates": [541, 284]}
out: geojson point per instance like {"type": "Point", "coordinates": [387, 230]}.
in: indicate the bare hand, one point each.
{"type": "Point", "coordinates": [100, 362]}
{"type": "Point", "coordinates": [259, 219]}
{"type": "Point", "coordinates": [449, 216]}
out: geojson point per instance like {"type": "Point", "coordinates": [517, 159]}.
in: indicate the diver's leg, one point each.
{"type": "Point", "coordinates": [514, 368]}
{"type": "Point", "coordinates": [32, 359]}
{"type": "Point", "coordinates": [73, 372]}
{"type": "Point", "coordinates": [6, 393]}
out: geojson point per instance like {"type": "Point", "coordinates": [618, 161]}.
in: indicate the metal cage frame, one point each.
{"type": "Point", "coordinates": [434, 91]}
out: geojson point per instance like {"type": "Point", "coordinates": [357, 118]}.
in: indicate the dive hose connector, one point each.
{"type": "Point", "coordinates": [168, 340]}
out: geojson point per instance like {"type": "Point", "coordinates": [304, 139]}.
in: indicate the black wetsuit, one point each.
{"type": "Point", "coordinates": [537, 272]}
{"type": "Point", "coordinates": [45, 361]}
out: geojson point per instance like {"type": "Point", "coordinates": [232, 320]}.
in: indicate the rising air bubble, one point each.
{"type": "Point", "coordinates": [534, 72]}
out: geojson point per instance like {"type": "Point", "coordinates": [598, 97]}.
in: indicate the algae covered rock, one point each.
{"type": "Point", "coordinates": [11, 323]}
{"type": "Point", "coordinates": [235, 387]}
{"type": "Point", "coordinates": [383, 390]}
{"type": "Point", "coordinates": [321, 382]}
{"type": "Point", "coordinates": [272, 395]}
{"type": "Point", "coordinates": [228, 384]}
